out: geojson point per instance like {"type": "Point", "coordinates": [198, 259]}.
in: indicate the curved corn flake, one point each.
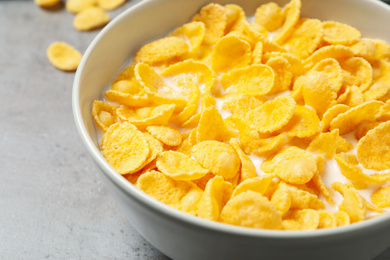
{"type": "Point", "coordinates": [202, 75]}
{"type": "Point", "coordinates": [230, 52]}
{"type": "Point", "coordinates": [254, 80]}
{"type": "Point", "coordinates": [211, 126]}
{"type": "Point", "coordinates": [190, 200]}
{"type": "Point", "coordinates": [295, 64]}
{"type": "Point", "coordinates": [179, 166]}
{"type": "Point", "coordinates": [91, 18]}
{"type": "Point", "coordinates": [214, 18]}
{"type": "Point", "coordinates": [216, 194]}
{"type": "Point", "coordinates": [125, 148]}
{"type": "Point", "coordinates": [327, 219]}
{"type": "Point", "coordinates": [128, 99]}
{"type": "Point", "coordinates": [301, 199]}
{"type": "Point", "coordinates": [256, 184]}
{"type": "Point", "coordinates": [320, 186]}
{"type": "Point", "coordinates": [342, 218]}
{"type": "Point", "coordinates": [162, 93]}
{"type": "Point", "coordinates": [155, 147]}
{"type": "Point", "coordinates": [381, 197]}
{"type": "Point", "coordinates": [353, 204]}
{"type": "Point", "coordinates": [251, 209]}
{"type": "Point", "coordinates": [235, 16]}
{"type": "Point", "coordinates": [270, 145]}
{"type": "Point", "coordinates": [352, 118]}
{"type": "Point", "coordinates": [167, 190]}
{"type": "Point", "coordinates": [384, 112]}
{"type": "Point", "coordinates": [343, 146]}
{"type": "Point", "coordinates": [382, 48]}
{"type": "Point", "coordinates": [305, 38]}
{"type": "Point", "coordinates": [219, 158]}
{"type": "Point", "coordinates": [364, 48]}
{"type": "Point", "coordinates": [184, 115]}
{"type": "Point", "coordinates": [110, 4]}
{"type": "Point", "coordinates": [292, 13]}
{"type": "Point", "coordinates": [272, 115]}
{"type": "Point", "coordinates": [126, 73]}
{"type": "Point", "coordinates": [248, 169]}
{"type": "Point", "coordinates": [381, 71]}
{"type": "Point", "coordinates": [363, 129]}
{"type": "Point", "coordinates": [332, 113]}
{"type": "Point", "coordinates": [161, 50]}
{"type": "Point", "coordinates": [46, 3]}
{"type": "Point", "coordinates": [337, 52]}
{"type": "Point", "coordinates": [357, 72]}
{"type": "Point", "coordinates": [166, 134]}
{"type": "Point", "coordinates": [355, 97]}
{"type": "Point", "coordinates": [63, 56]}
{"type": "Point", "coordinates": [377, 91]}
{"type": "Point", "coordinates": [76, 6]}
{"type": "Point", "coordinates": [355, 173]}
{"type": "Point", "coordinates": [308, 219]}
{"type": "Point", "coordinates": [283, 77]}
{"type": "Point", "coordinates": [281, 198]}
{"type": "Point", "coordinates": [257, 53]}
{"type": "Point", "coordinates": [317, 91]}
{"type": "Point", "coordinates": [241, 104]}
{"type": "Point", "coordinates": [193, 33]}
{"type": "Point", "coordinates": [284, 155]}
{"type": "Point", "coordinates": [298, 170]}
{"type": "Point", "coordinates": [104, 114]}
{"type": "Point", "coordinates": [304, 123]}
{"type": "Point", "coordinates": [340, 33]}
{"type": "Point", "coordinates": [325, 144]}
{"type": "Point", "coordinates": [373, 148]}
{"type": "Point", "coordinates": [147, 115]}
{"type": "Point", "coordinates": [270, 16]}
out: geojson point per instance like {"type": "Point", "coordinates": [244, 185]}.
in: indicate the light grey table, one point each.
{"type": "Point", "coordinates": [52, 202]}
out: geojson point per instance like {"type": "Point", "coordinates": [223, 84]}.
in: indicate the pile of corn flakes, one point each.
{"type": "Point", "coordinates": [237, 120]}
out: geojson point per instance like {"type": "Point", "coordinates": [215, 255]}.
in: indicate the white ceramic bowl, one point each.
{"type": "Point", "coordinates": [176, 234]}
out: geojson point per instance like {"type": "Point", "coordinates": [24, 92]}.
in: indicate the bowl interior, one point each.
{"type": "Point", "coordinates": [149, 19]}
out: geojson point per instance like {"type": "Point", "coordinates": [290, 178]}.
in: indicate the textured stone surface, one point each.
{"type": "Point", "coordinates": [52, 202]}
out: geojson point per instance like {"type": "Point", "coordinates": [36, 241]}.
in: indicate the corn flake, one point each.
{"type": "Point", "coordinates": [254, 80]}
{"type": "Point", "coordinates": [251, 209]}
{"type": "Point", "coordinates": [147, 115]}
{"type": "Point", "coordinates": [125, 148]}
{"type": "Point", "coordinates": [162, 50]}
{"type": "Point", "coordinates": [272, 115]}
{"type": "Point", "coordinates": [110, 4]}
{"type": "Point", "coordinates": [76, 6]}
{"type": "Point", "coordinates": [167, 190]}
{"type": "Point", "coordinates": [292, 13]}
{"type": "Point", "coordinates": [230, 52]}
{"type": "Point", "coordinates": [219, 158]}
{"type": "Point", "coordinates": [373, 148]}
{"type": "Point", "coordinates": [352, 118]}
{"type": "Point", "coordinates": [340, 33]}
{"type": "Point", "coordinates": [381, 197]}
{"type": "Point", "coordinates": [305, 39]}
{"type": "Point", "coordinates": [63, 56]}
{"type": "Point", "coordinates": [167, 135]}
{"type": "Point", "coordinates": [199, 72]}
{"type": "Point", "coordinates": [192, 32]}
{"type": "Point", "coordinates": [90, 18]}
{"type": "Point", "coordinates": [214, 18]}
{"type": "Point", "coordinates": [179, 166]}
{"type": "Point", "coordinates": [216, 194]}
{"type": "Point", "coordinates": [270, 16]}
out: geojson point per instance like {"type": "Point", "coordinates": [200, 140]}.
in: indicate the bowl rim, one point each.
{"type": "Point", "coordinates": [167, 211]}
